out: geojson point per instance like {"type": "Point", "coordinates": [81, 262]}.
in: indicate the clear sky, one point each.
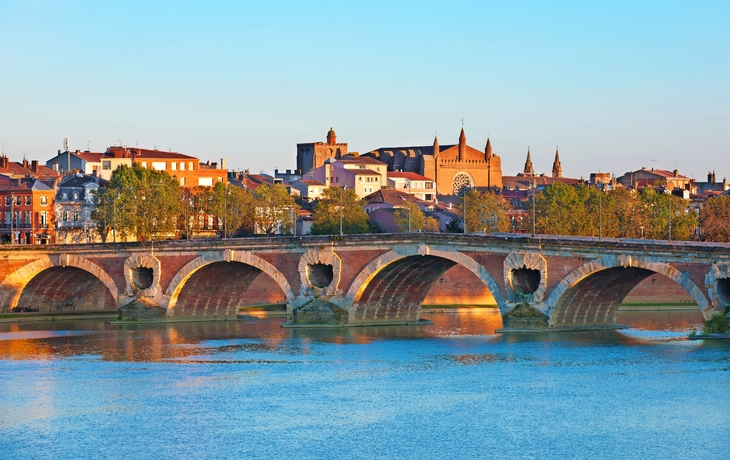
{"type": "Point", "coordinates": [614, 84]}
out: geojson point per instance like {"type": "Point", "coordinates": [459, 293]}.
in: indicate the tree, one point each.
{"type": "Point", "coordinates": [234, 209]}
{"type": "Point", "coordinates": [715, 219]}
{"type": "Point", "coordinates": [339, 205]}
{"type": "Point", "coordinates": [486, 211]}
{"type": "Point", "coordinates": [138, 201]}
{"type": "Point", "coordinates": [275, 210]}
{"type": "Point", "coordinates": [431, 225]}
{"type": "Point", "coordinates": [454, 226]}
{"type": "Point", "coordinates": [409, 218]}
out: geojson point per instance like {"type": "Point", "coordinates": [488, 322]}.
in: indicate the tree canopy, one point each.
{"type": "Point", "coordinates": [275, 210]}
{"type": "Point", "coordinates": [138, 201]}
{"type": "Point", "coordinates": [715, 219]}
{"type": "Point", "coordinates": [333, 203]}
{"type": "Point", "coordinates": [485, 212]}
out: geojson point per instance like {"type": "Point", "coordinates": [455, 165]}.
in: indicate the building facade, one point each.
{"type": "Point", "coordinates": [312, 155]}
{"type": "Point", "coordinates": [454, 168]}
{"type": "Point", "coordinates": [26, 211]}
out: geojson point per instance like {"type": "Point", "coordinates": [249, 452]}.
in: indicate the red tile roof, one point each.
{"type": "Point", "coordinates": [407, 175]}
{"type": "Point", "coordinates": [126, 152]}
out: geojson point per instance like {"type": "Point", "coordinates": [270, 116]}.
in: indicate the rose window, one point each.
{"type": "Point", "coordinates": [462, 184]}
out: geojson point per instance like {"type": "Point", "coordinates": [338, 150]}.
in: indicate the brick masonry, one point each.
{"type": "Point", "coordinates": [380, 278]}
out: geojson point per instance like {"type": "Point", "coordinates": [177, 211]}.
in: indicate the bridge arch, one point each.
{"type": "Point", "coordinates": [59, 282]}
{"type": "Point", "coordinates": [592, 293]}
{"type": "Point", "coordinates": [214, 265]}
{"type": "Point", "coordinates": [396, 282]}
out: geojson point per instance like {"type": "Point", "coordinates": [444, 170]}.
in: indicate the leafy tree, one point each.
{"type": "Point", "coordinates": [409, 218]}
{"type": "Point", "coordinates": [275, 210]}
{"type": "Point", "coordinates": [336, 202]}
{"type": "Point", "coordinates": [715, 219]}
{"type": "Point", "coordinates": [234, 208]}
{"type": "Point", "coordinates": [454, 226]}
{"type": "Point", "coordinates": [486, 211]}
{"type": "Point", "coordinates": [138, 201]}
{"type": "Point", "coordinates": [431, 225]}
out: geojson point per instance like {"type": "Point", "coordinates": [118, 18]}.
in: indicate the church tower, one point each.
{"type": "Point", "coordinates": [557, 167]}
{"type": "Point", "coordinates": [462, 146]}
{"type": "Point", "coordinates": [529, 171]}
{"type": "Point", "coordinates": [488, 150]}
{"type": "Point", "coordinates": [331, 137]}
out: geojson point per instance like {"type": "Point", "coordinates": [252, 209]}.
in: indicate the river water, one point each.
{"type": "Point", "coordinates": [453, 389]}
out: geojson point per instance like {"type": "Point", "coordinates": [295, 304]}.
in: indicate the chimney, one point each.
{"type": "Point", "coordinates": [709, 178]}
{"type": "Point", "coordinates": [25, 163]}
{"type": "Point", "coordinates": [54, 166]}
{"type": "Point", "coordinates": [223, 164]}
{"type": "Point", "coordinates": [676, 173]}
{"type": "Point", "coordinates": [3, 162]}
{"type": "Point", "coordinates": [59, 151]}
{"type": "Point", "coordinates": [34, 166]}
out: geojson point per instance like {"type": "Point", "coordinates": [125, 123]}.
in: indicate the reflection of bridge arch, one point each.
{"type": "Point", "coordinates": [396, 282]}
{"type": "Point", "coordinates": [593, 292]}
{"type": "Point", "coordinates": [225, 275]}
{"type": "Point", "coordinates": [59, 280]}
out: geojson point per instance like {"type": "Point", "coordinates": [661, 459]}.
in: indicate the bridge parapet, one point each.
{"type": "Point", "coordinates": [373, 279]}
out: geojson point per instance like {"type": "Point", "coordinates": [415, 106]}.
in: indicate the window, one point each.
{"type": "Point", "coordinates": [76, 215]}
{"type": "Point", "coordinates": [144, 164]}
{"type": "Point", "coordinates": [173, 166]}
{"type": "Point", "coordinates": [27, 201]}
{"type": "Point", "coordinates": [190, 165]}
{"type": "Point", "coordinates": [182, 180]}
{"type": "Point", "coordinates": [337, 179]}
{"type": "Point", "coordinates": [429, 185]}
{"type": "Point", "coordinates": [44, 201]}
{"type": "Point", "coordinates": [17, 219]}
{"type": "Point", "coordinates": [8, 201]}
{"type": "Point", "coordinates": [106, 165]}
{"type": "Point", "coordinates": [205, 181]}
{"type": "Point", "coordinates": [17, 201]}
{"type": "Point", "coordinates": [182, 166]}
{"type": "Point", "coordinates": [27, 219]}
{"type": "Point", "coordinates": [43, 219]}
{"type": "Point", "coordinates": [64, 216]}
{"type": "Point", "coordinates": [64, 196]}
{"type": "Point", "coordinates": [7, 219]}
{"type": "Point", "coordinates": [159, 165]}
{"type": "Point", "coordinates": [76, 196]}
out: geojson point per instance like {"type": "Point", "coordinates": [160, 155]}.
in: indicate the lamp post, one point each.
{"type": "Point", "coordinates": [225, 211]}
{"type": "Point", "coordinates": [600, 215]}
{"type": "Point", "coordinates": [341, 210]}
{"type": "Point", "coordinates": [669, 219]}
{"type": "Point", "coordinates": [465, 212]}
{"type": "Point", "coordinates": [12, 217]}
{"type": "Point", "coordinates": [533, 212]}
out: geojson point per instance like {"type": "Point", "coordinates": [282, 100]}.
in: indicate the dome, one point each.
{"type": "Point", "coordinates": [331, 137]}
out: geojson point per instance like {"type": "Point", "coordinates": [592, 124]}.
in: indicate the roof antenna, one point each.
{"type": "Point", "coordinates": [462, 122]}
{"type": "Point", "coordinates": [88, 145]}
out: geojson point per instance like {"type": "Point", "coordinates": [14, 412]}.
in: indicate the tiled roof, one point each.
{"type": "Point", "coordinates": [23, 185]}
{"type": "Point", "coordinates": [78, 180]}
{"type": "Point", "coordinates": [393, 197]}
{"type": "Point", "coordinates": [138, 153]}
{"type": "Point", "coordinates": [91, 157]}
{"type": "Point", "coordinates": [406, 175]}
{"type": "Point", "coordinates": [361, 161]}
{"type": "Point", "coordinates": [364, 172]}
{"type": "Point", "coordinates": [311, 182]}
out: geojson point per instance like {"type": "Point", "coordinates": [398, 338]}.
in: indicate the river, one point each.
{"type": "Point", "coordinates": [452, 389]}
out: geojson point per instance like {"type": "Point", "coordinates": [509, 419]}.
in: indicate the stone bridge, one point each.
{"type": "Point", "coordinates": [537, 282]}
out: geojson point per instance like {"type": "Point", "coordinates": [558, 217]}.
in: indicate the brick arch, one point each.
{"type": "Point", "coordinates": [14, 284]}
{"type": "Point", "coordinates": [243, 257]}
{"type": "Point", "coordinates": [403, 262]}
{"type": "Point", "coordinates": [592, 293]}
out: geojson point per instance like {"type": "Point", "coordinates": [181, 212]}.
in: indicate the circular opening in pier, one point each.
{"type": "Point", "coordinates": [525, 280]}
{"type": "Point", "coordinates": [142, 277]}
{"type": "Point", "coordinates": [723, 290]}
{"type": "Point", "coordinates": [320, 275]}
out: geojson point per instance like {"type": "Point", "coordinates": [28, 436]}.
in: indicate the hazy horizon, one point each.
{"type": "Point", "coordinates": [616, 85]}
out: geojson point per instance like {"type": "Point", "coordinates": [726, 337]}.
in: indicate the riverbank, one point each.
{"type": "Point", "coordinates": [57, 316]}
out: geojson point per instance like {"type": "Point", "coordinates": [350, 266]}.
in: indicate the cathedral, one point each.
{"type": "Point", "coordinates": [454, 168]}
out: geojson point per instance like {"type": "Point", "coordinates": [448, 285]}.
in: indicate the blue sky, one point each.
{"type": "Point", "coordinates": [614, 84]}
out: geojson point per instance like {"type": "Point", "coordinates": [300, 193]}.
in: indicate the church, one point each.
{"type": "Point", "coordinates": [455, 168]}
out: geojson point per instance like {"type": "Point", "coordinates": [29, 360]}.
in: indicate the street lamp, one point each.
{"type": "Point", "coordinates": [343, 187]}
{"type": "Point", "coordinates": [12, 217]}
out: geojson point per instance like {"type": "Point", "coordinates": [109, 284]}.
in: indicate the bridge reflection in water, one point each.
{"type": "Point", "coordinates": [148, 343]}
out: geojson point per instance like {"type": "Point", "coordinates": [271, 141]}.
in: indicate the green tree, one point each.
{"type": "Point", "coordinates": [409, 218]}
{"type": "Point", "coordinates": [454, 226]}
{"type": "Point", "coordinates": [138, 201]}
{"type": "Point", "coordinates": [234, 209]}
{"type": "Point", "coordinates": [431, 225]}
{"type": "Point", "coordinates": [715, 219]}
{"type": "Point", "coordinates": [336, 202]}
{"type": "Point", "coordinates": [486, 211]}
{"type": "Point", "coordinates": [275, 210]}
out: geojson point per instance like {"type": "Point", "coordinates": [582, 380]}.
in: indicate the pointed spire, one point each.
{"type": "Point", "coordinates": [528, 165]}
{"type": "Point", "coordinates": [436, 148]}
{"type": "Point", "coordinates": [462, 145]}
{"type": "Point", "coordinates": [488, 150]}
{"type": "Point", "coordinates": [557, 167]}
